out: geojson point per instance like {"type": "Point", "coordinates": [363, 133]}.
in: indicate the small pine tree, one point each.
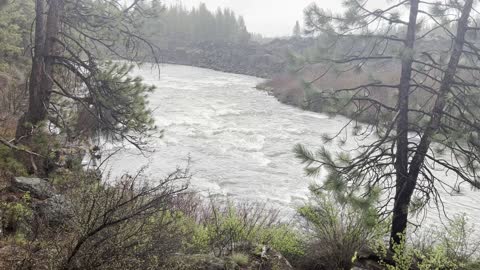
{"type": "Point", "coordinates": [297, 32]}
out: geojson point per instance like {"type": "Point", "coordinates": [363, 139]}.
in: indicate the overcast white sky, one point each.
{"type": "Point", "coordinates": [268, 17]}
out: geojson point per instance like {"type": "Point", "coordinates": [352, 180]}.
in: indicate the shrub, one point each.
{"type": "Point", "coordinates": [127, 224]}
{"type": "Point", "coordinates": [9, 165]}
{"type": "Point", "coordinates": [336, 232]}
{"type": "Point", "coordinates": [450, 247]}
{"type": "Point", "coordinates": [227, 228]}
{"type": "Point", "coordinates": [15, 215]}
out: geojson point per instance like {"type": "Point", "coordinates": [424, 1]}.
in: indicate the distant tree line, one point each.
{"type": "Point", "coordinates": [178, 26]}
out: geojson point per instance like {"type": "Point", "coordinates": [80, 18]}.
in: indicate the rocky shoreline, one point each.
{"type": "Point", "coordinates": [253, 59]}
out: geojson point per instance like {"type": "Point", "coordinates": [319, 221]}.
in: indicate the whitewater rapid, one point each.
{"type": "Point", "coordinates": [240, 140]}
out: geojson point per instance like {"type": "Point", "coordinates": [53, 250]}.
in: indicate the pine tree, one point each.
{"type": "Point", "coordinates": [243, 34]}
{"type": "Point", "coordinates": [72, 40]}
{"type": "Point", "coordinates": [297, 32]}
{"type": "Point", "coordinates": [181, 27]}
{"type": "Point", "coordinates": [441, 75]}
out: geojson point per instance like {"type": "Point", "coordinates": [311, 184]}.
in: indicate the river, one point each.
{"type": "Point", "coordinates": [240, 140]}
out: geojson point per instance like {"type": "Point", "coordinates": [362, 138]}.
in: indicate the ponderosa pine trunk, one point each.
{"type": "Point", "coordinates": [408, 183]}
{"type": "Point", "coordinates": [400, 208]}
{"type": "Point", "coordinates": [41, 76]}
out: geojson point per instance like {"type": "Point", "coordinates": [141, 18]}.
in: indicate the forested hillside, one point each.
{"type": "Point", "coordinates": [217, 40]}
{"type": "Point", "coordinates": [177, 26]}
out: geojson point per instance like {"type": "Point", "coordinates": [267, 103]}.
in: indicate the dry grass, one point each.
{"type": "Point", "coordinates": [291, 88]}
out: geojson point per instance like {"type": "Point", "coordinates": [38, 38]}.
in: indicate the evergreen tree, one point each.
{"type": "Point", "coordinates": [179, 27]}
{"type": "Point", "coordinates": [243, 34]}
{"type": "Point", "coordinates": [71, 41]}
{"type": "Point", "coordinates": [408, 140]}
{"type": "Point", "coordinates": [297, 32]}
{"type": "Point", "coordinates": [221, 25]}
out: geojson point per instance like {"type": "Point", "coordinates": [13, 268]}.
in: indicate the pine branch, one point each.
{"type": "Point", "coordinates": [16, 148]}
{"type": "Point", "coordinates": [305, 155]}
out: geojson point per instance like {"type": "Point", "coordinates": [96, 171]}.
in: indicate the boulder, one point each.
{"type": "Point", "coordinates": [38, 188]}
{"type": "Point", "coordinates": [367, 259]}
{"type": "Point", "coordinates": [54, 211]}
{"type": "Point", "coordinates": [268, 259]}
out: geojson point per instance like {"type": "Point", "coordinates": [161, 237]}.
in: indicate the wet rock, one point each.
{"type": "Point", "coordinates": [54, 211]}
{"type": "Point", "coordinates": [38, 188]}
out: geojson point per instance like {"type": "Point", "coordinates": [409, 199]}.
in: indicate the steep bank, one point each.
{"type": "Point", "coordinates": [253, 59]}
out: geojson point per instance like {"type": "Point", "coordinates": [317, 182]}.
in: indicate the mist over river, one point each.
{"type": "Point", "coordinates": [240, 140]}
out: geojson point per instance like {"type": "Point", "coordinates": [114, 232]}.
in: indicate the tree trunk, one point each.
{"type": "Point", "coordinates": [404, 195]}
{"type": "Point", "coordinates": [400, 208]}
{"type": "Point", "coordinates": [41, 82]}
{"type": "Point", "coordinates": [448, 79]}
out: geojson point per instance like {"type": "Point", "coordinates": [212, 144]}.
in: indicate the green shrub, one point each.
{"type": "Point", "coordinates": [9, 164]}
{"type": "Point", "coordinates": [15, 215]}
{"type": "Point", "coordinates": [406, 257]}
{"type": "Point", "coordinates": [285, 239]}
{"type": "Point", "coordinates": [336, 232]}
{"type": "Point", "coordinates": [225, 229]}
{"type": "Point", "coordinates": [451, 247]}
{"type": "Point", "coordinates": [240, 259]}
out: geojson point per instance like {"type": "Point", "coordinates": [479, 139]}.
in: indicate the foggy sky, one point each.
{"type": "Point", "coordinates": [268, 17]}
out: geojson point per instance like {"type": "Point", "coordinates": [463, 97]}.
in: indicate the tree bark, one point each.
{"type": "Point", "coordinates": [400, 208]}
{"type": "Point", "coordinates": [440, 103]}
{"type": "Point", "coordinates": [41, 82]}
{"type": "Point", "coordinates": [404, 195]}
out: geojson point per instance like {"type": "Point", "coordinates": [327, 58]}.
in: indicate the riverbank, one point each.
{"type": "Point", "coordinates": [253, 58]}
{"type": "Point", "coordinates": [239, 143]}
{"type": "Point", "coordinates": [305, 90]}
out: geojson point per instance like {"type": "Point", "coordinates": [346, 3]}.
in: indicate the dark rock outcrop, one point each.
{"type": "Point", "coordinates": [54, 211]}
{"type": "Point", "coordinates": [50, 207]}
{"type": "Point", "coordinates": [38, 188]}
